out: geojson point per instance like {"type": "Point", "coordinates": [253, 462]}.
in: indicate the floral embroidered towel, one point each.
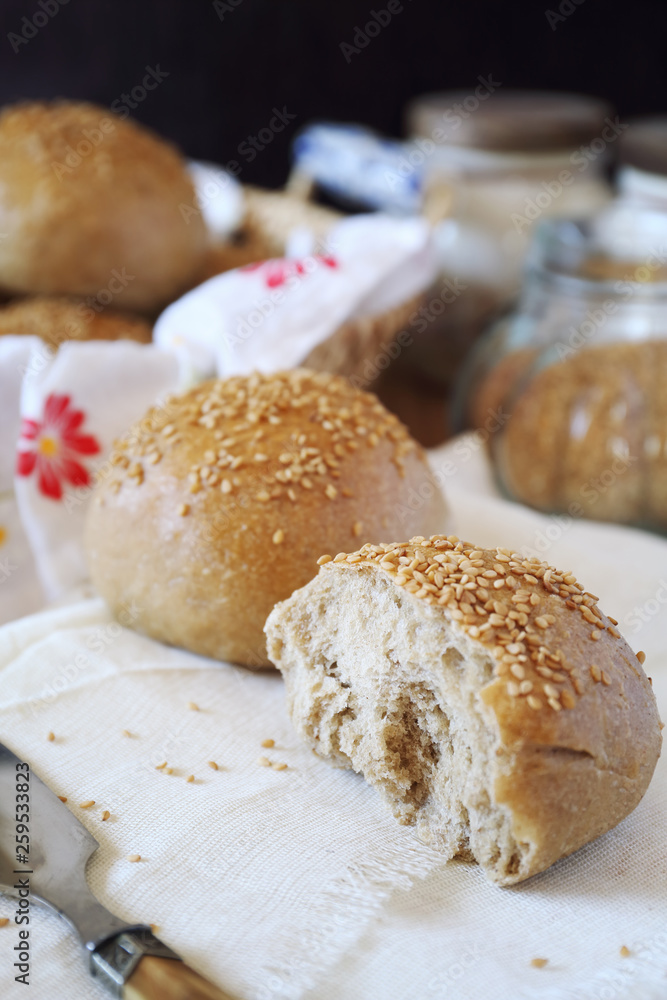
{"type": "Point", "coordinates": [271, 315]}
{"type": "Point", "coordinates": [72, 407]}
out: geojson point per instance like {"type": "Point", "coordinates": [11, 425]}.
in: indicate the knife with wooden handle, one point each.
{"type": "Point", "coordinates": [44, 850]}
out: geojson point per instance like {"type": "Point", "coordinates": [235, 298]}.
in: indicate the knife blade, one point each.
{"type": "Point", "coordinates": [44, 850]}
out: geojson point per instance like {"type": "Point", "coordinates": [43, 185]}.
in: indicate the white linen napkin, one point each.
{"type": "Point", "coordinates": [298, 883]}
{"type": "Point", "coordinates": [72, 406]}
{"type": "Point", "coordinates": [270, 316]}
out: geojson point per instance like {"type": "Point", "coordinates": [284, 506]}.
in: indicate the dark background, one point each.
{"type": "Point", "coordinates": [229, 69]}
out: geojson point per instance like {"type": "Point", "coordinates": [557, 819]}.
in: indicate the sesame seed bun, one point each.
{"type": "Point", "coordinates": [485, 696]}
{"type": "Point", "coordinates": [225, 499]}
{"type": "Point", "coordinates": [59, 320]}
{"type": "Point", "coordinates": [90, 206]}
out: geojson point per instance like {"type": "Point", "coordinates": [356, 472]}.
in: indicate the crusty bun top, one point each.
{"type": "Point", "coordinates": [225, 499]}
{"type": "Point", "coordinates": [58, 320]}
{"type": "Point", "coordinates": [547, 659]}
{"type": "Point", "coordinates": [90, 204]}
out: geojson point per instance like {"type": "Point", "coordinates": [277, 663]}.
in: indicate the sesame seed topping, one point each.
{"type": "Point", "coordinates": [567, 699]}
{"type": "Point", "coordinates": [184, 509]}
{"type": "Point", "coordinates": [514, 624]}
{"type": "Point", "coordinates": [278, 536]}
{"type": "Point", "coordinates": [248, 422]}
{"type": "Point", "coordinates": [323, 559]}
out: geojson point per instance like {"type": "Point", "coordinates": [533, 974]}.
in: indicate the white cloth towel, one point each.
{"type": "Point", "coordinates": [298, 883]}
{"type": "Point", "coordinates": [271, 315]}
{"type": "Point", "coordinates": [59, 416]}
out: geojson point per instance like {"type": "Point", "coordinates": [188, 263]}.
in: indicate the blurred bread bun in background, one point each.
{"type": "Point", "coordinates": [91, 205]}
{"type": "Point", "coordinates": [57, 320]}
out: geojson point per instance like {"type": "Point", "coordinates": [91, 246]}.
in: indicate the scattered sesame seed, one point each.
{"type": "Point", "coordinates": [134, 857]}
{"type": "Point", "coordinates": [190, 778]}
{"type": "Point", "coordinates": [184, 509]}
{"type": "Point", "coordinates": [539, 963]}
{"type": "Point", "coordinates": [278, 536]}
{"type": "Point", "coordinates": [279, 767]}
{"type": "Point", "coordinates": [159, 767]}
{"type": "Point", "coordinates": [641, 656]}
{"type": "Point", "coordinates": [51, 737]}
{"type": "Point", "coordinates": [105, 815]}
{"type": "Point", "coordinates": [193, 706]}
{"type": "Point", "coordinates": [624, 951]}
{"type": "Point", "coordinates": [264, 762]}
{"type": "Point", "coordinates": [268, 743]}
{"type": "Point", "coordinates": [87, 804]}
{"type": "Point", "coordinates": [212, 763]}
{"type": "Point", "coordinates": [4, 921]}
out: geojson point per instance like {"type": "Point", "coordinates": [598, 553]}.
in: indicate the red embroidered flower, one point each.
{"type": "Point", "coordinates": [276, 272]}
{"type": "Point", "coordinates": [54, 443]}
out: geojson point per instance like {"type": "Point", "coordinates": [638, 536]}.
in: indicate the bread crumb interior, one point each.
{"type": "Point", "coordinates": [389, 690]}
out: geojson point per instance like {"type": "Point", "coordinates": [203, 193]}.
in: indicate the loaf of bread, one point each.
{"type": "Point", "coordinates": [485, 696]}
{"type": "Point", "coordinates": [90, 205]}
{"type": "Point", "coordinates": [57, 320]}
{"type": "Point", "coordinates": [221, 502]}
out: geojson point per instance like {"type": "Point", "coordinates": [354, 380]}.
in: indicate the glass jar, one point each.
{"type": "Point", "coordinates": [494, 162]}
{"type": "Point", "coordinates": [574, 379]}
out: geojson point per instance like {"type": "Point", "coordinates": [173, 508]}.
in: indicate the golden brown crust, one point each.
{"type": "Point", "coordinates": [578, 726]}
{"type": "Point", "coordinates": [90, 205]}
{"type": "Point", "coordinates": [58, 320]}
{"type": "Point", "coordinates": [225, 500]}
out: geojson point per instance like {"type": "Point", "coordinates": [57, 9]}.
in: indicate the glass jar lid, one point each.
{"type": "Point", "coordinates": [507, 120]}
